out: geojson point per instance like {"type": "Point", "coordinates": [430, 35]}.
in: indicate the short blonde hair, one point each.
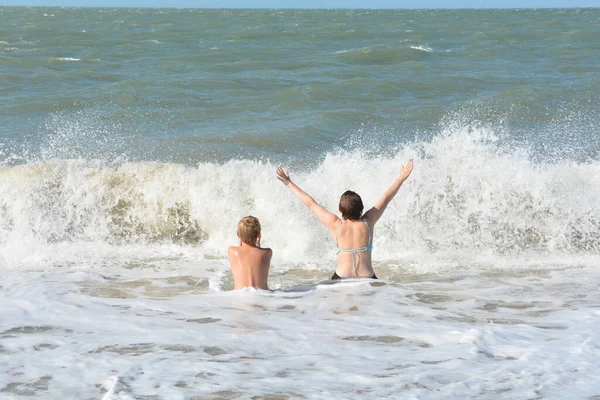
{"type": "Point", "coordinates": [249, 230]}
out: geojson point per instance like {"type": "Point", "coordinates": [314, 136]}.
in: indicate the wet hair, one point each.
{"type": "Point", "coordinates": [351, 205]}
{"type": "Point", "coordinates": [249, 230]}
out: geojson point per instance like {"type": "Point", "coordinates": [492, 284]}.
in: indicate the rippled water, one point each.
{"type": "Point", "coordinates": [133, 140]}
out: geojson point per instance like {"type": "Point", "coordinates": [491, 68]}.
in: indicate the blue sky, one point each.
{"type": "Point", "coordinates": [310, 3]}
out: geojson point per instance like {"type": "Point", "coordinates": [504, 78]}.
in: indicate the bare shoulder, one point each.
{"type": "Point", "coordinates": [335, 223]}
{"type": "Point", "coordinates": [266, 251]}
{"type": "Point", "coordinates": [233, 250]}
{"type": "Point", "coordinates": [368, 217]}
{"type": "Point", "coordinates": [266, 257]}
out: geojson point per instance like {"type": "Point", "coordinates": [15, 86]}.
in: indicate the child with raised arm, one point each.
{"type": "Point", "coordinates": [249, 262]}
{"type": "Point", "coordinates": [353, 233]}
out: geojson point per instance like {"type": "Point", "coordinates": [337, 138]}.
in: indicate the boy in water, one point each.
{"type": "Point", "coordinates": [249, 262]}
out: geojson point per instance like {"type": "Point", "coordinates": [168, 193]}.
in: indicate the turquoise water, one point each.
{"type": "Point", "coordinates": [144, 125]}
{"type": "Point", "coordinates": [133, 140]}
{"type": "Point", "coordinates": [191, 86]}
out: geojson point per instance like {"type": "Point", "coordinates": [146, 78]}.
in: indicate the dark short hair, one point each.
{"type": "Point", "coordinates": [351, 205]}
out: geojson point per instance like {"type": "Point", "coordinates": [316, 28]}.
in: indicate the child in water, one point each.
{"type": "Point", "coordinates": [249, 262]}
{"type": "Point", "coordinates": [353, 233]}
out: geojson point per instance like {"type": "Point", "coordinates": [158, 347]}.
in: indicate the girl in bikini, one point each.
{"type": "Point", "coordinates": [353, 234]}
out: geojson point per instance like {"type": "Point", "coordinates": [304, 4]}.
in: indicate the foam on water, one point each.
{"type": "Point", "coordinates": [466, 196]}
{"type": "Point", "coordinates": [115, 283]}
{"type": "Point", "coordinates": [121, 190]}
{"type": "Point", "coordinates": [422, 48]}
{"type": "Point", "coordinates": [146, 333]}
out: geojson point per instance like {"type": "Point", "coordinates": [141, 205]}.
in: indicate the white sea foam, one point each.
{"type": "Point", "coordinates": [160, 331]}
{"type": "Point", "coordinates": [466, 200]}
{"type": "Point", "coordinates": [66, 59]}
{"type": "Point", "coordinates": [115, 284]}
{"type": "Point", "coordinates": [355, 50]}
{"type": "Point", "coordinates": [422, 48]}
{"type": "Point", "coordinates": [113, 277]}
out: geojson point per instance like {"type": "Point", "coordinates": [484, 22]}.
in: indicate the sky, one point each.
{"type": "Point", "coordinates": [310, 3]}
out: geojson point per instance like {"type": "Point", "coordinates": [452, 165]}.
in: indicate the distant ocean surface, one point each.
{"type": "Point", "coordinates": [133, 140]}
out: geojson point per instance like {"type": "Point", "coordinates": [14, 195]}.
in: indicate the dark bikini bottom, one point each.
{"type": "Point", "coordinates": [336, 276]}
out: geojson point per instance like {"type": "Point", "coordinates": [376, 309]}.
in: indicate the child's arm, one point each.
{"type": "Point", "coordinates": [373, 215]}
{"type": "Point", "coordinates": [325, 217]}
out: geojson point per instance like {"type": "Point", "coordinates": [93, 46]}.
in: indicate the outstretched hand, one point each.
{"type": "Point", "coordinates": [283, 176]}
{"type": "Point", "coordinates": [406, 170]}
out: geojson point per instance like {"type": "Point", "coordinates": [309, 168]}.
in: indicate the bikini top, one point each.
{"type": "Point", "coordinates": [365, 249]}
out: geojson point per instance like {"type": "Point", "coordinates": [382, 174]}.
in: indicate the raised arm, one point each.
{"type": "Point", "coordinates": [373, 215]}
{"type": "Point", "coordinates": [328, 219]}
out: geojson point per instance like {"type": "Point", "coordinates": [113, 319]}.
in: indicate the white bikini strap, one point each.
{"type": "Point", "coordinates": [368, 230]}
{"type": "Point", "coordinates": [337, 233]}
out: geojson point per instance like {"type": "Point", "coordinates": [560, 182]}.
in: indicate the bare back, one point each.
{"type": "Point", "coordinates": [250, 266]}
{"type": "Point", "coordinates": [354, 240]}
{"type": "Point", "coordinates": [352, 236]}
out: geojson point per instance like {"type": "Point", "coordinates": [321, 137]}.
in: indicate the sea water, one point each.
{"type": "Point", "coordinates": [133, 140]}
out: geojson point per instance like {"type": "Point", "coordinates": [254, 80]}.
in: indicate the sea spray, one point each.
{"type": "Point", "coordinates": [467, 194]}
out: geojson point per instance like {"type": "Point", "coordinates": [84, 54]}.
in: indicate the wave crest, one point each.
{"type": "Point", "coordinates": [467, 194]}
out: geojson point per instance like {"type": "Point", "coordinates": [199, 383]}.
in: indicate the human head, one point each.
{"type": "Point", "coordinates": [249, 230]}
{"type": "Point", "coordinates": [351, 205]}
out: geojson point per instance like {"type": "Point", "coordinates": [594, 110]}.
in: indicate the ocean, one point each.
{"type": "Point", "coordinates": [133, 140]}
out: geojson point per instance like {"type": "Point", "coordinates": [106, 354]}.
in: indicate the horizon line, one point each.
{"type": "Point", "coordinates": [301, 8]}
